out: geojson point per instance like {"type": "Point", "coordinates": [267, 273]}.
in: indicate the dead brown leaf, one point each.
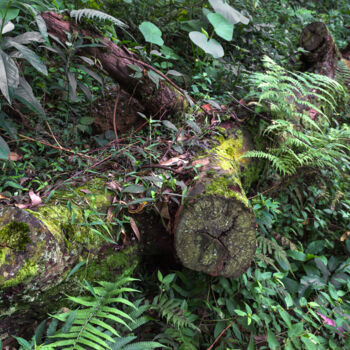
{"type": "Point", "coordinates": [36, 200]}
{"type": "Point", "coordinates": [15, 156]}
{"type": "Point", "coordinates": [135, 229]}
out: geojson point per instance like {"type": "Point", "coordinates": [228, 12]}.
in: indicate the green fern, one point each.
{"type": "Point", "coordinates": [342, 72]}
{"type": "Point", "coordinates": [298, 139]}
{"type": "Point", "coordinates": [269, 246]}
{"type": "Point", "coordinates": [86, 326]}
{"type": "Point", "coordinates": [175, 312]}
{"type": "Point", "coordinates": [94, 14]}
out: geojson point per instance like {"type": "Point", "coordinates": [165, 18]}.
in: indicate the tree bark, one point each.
{"type": "Point", "coordinates": [39, 247]}
{"type": "Point", "coordinates": [215, 233]}
{"type": "Point", "coordinates": [116, 61]}
{"type": "Point", "coordinates": [323, 54]}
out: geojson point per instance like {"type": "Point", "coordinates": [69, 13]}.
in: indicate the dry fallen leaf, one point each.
{"type": "Point", "coordinates": [36, 200]}
{"type": "Point", "coordinates": [14, 156]}
{"type": "Point", "coordinates": [135, 229]}
{"type": "Point", "coordinates": [344, 236]}
{"type": "Point", "coordinates": [85, 191]}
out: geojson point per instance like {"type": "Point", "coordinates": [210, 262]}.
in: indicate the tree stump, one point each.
{"type": "Point", "coordinates": [215, 233]}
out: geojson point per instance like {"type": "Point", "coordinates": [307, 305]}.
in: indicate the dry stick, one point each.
{"type": "Point", "coordinates": [52, 134]}
{"type": "Point", "coordinates": [53, 146]}
{"type": "Point", "coordinates": [219, 336]}
{"type": "Point", "coordinates": [162, 167]}
{"type": "Point", "coordinates": [114, 118]}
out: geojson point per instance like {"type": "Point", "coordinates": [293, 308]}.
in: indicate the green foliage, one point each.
{"type": "Point", "coordinates": [302, 104]}
{"type": "Point", "coordinates": [94, 324]}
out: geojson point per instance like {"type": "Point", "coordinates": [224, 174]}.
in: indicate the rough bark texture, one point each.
{"type": "Point", "coordinates": [323, 53]}
{"type": "Point", "coordinates": [40, 247]}
{"type": "Point", "coordinates": [215, 233]}
{"type": "Point", "coordinates": [116, 62]}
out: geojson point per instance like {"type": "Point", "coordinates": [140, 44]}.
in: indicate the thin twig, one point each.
{"type": "Point", "coordinates": [52, 134]}
{"type": "Point", "coordinates": [27, 138]}
{"type": "Point", "coordinates": [268, 190]}
{"type": "Point", "coordinates": [162, 167]}
{"type": "Point", "coordinates": [219, 336]}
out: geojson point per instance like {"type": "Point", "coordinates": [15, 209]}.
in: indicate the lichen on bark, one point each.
{"type": "Point", "coordinates": [215, 233]}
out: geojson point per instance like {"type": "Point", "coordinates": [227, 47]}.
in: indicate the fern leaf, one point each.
{"type": "Point", "coordinates": [95, 14]}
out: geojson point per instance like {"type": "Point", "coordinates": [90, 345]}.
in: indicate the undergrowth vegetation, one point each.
{"type": "Point", "coordinates": [295, 294]}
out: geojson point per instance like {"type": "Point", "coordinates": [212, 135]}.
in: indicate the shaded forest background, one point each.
{"type": "Point", "coordinates": [198, 73]}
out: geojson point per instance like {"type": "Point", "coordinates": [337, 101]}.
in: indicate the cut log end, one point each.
{"type": "Point", "coordinates": [216, 235]}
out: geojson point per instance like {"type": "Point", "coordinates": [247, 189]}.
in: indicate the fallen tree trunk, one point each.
{"type": "Point", "coordinates": [215, 233]}
{"type": "Point", "coordinates": [117, 62]}
{"type": "Point", "coordinates": [41, 246]}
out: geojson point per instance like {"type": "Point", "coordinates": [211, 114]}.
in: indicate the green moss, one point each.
{"type": "Point", "coordinates": [111, 265]}
{"type": "Point", "coordinates": [228, 187]}
{"type": "Point", "coordinates": [25, 274]}
{"type": "Point", "coordinates": [15, 235]}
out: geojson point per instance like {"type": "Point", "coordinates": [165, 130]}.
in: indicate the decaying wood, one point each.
{"type": "Point", "coordinates": [322, 51]}
{"type": "Point", "coordinates": [215, 233]}
{"type": "Point", "coordinates": [116, 61]}
{"type": "Point", "coordinates": [40, 246]}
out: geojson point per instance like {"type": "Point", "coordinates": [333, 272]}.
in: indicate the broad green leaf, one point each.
{"type": "Point", "coordinates": [272, 340]}
{"type": "Point", "coordinates": [13, 184]}
{"type": "Point", "coordinates": [4, 85]}
{"type": "Point", "coordinates": [134, 189]}
{"type": "Point", "coordinates": [24, 93]}
{"type": "Point", "coordinates": [309, 345]}
{"type": "Point", "coordinates": [4, 149]}
{"type": "Point", "coordinates": [91, 73]}
{"type": "Point", "coordinates": [155, 77]}
{"type": "Point", "coordinates": [11, 71]}
{"type": "Point", "coordinates": [285, 316]}
{"type": "Point", "coordinates": [85, 90]}
{"type": "Point", "coordinates": [7, 125]}
{"type": "Point", "coordinates": [12, 13]}
{"type": "Point", "coordinates": [8, 27]}
{"type": "Point", "coordinates": [151, 33]}
{"type": "Point", "coordinates": [75, 269]}
{"type": "Point", "coordinates": [24, 39]}
{"type": "Point", "coordinates": [39, 21]}
{"type": "Point", "coordinates": [296, 330]}
{"type": "Point", "coordinates": [26, 345]}
{"type": "Point", "coordinates": [30, 56]}
{"type": "Point", "coordinates": [72, 86]}
{"type": "Point", "coordinates": [170, 125]}
{"type": "Point", "coordinates": [221, 25]}
{"type": "Point", "coordinates": [232, 15]}
{"type": "Point", "coordinates": [211, 46]}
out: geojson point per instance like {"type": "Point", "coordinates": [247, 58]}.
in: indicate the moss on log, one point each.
{"type": "Point", "coordinates": [40, 247]}
{"type": "Point", "coordinates": [215, 233]}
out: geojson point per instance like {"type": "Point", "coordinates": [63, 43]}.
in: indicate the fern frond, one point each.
{"type": "Point", "coordinates": [291, 97]}
{"type": "Point", "coordinates": [175, 312]}
{"type": "Point", "coordinates": [95, 14]}
{"type": "Point", "coordinates": [87, 326]}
